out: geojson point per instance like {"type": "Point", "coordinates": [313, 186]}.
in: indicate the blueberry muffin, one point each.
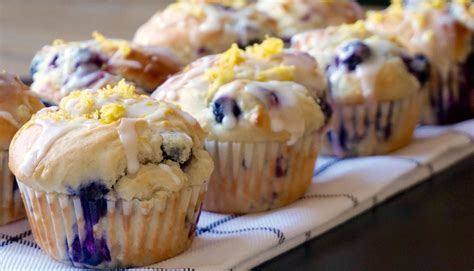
{"type": "Point", "coordinates": [294, 16]}
{"type": "Point", "coordinates": [264, 112]}
{"type": "Point", "coordinates": [201, 28]}
{"type": "Point", "coordinates": [61, 68]}
{"type": "Point", "coordinates": [430, 29]}
{"type": "Point", "coordinates": [111, 178]}
{"type": "Point", "coordinates": [375, 88]}
{"type": "Point", "coordinates": [17, 104]}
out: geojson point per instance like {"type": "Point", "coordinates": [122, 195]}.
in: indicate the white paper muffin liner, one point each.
{"type": "Point", "coordinates": [128, 233]}
{"type": "Point", "coordinates": [11, 206]}
{"type": "Point", "coordinates": [254, 177]}
{"type": "Point", "coordinates": [372, 128]}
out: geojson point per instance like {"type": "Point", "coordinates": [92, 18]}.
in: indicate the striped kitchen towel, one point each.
{"type": "Point", "coordinates": [341, 189]}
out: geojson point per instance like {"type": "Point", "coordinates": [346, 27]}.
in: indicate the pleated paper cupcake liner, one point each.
{"type": "Point", "coordinates": [372, 128]}
{"type": "Point", "coordinates": [451, 99]}
{"type": "Point", "coordinates": [11, 206]}
{"type": "Point", "coordinates": [108, 232]}
{"type": "Point", "coordinates": [254, 177]}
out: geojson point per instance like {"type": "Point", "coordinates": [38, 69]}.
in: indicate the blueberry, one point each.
{"type": "Point", "coordinates": [15, 185]}
{"type": "Point", "coordinates": [54, 62]}
{"type": "Point", "coordinates": [223, 106]}
{"type": "Point", "coordinates": [93, 201]}
{"type": "Point", "coordinates": [281, 167]}
{"type": "Point", "coordinates": [34, 65]}
{"type": "Point", "coordinates": [306, 17]}
{"type": "Point", "coordinates": [47, 103]}
{"type": "Point", "coordinates": [75, 252]}
{"type": "Point", "coordinates": [203, 51]}
{"type": "Point", "coordinates": [383, 124]}
{"type": "Point", "coordinates": [274, 195]}
{"type": "Point", "coordinates": [94, 206]}
{"type": "Point", "coordinates": [223, 7]}
{"type": "Point", "coordinates": [177, 147]}
{"type": "Point", "coordinates": [419, 66]}
{"type": "Point", "coordinates": [273, 99]}
{"type": "Point", "coordinates": [352, 54]}
{"type": "Point", "coordinates": [325, 108]}
{"type": "Point", "coordinates": [244, 164]}
{"type": "Point", "coordinates": [86, 57]}
{"type": "Point", "coordinates": [245, 43]}
{"type": "Point", "coordinates": [91, 252]}
{"type": "Point", "coordinates": [286, 40]}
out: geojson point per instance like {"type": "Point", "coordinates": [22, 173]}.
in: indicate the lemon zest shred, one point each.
{"type": "Point", "coordinates": [111, 112]}
{"type": "Point", "coordinates": [223, 73]}
{"type": "Point", "coordinates": [268, 48]}
{"type": "Point", "coordinates": [58, 42]}
{"type": "Point", "coordinates": [121, 45]}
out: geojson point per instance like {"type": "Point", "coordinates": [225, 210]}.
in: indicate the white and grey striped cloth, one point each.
{"type": "Point", "coordinates": [341, 189]}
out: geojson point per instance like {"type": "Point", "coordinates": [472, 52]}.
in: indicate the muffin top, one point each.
{"type": "Point", "coordinates": [321, 44]}
{"type": "Point", "coordinates": [17, 105]}
{"type": "Point", "coordinates": [63, 67]}
{"type": "Point", "coordinates": [202, 28]}
{"type": "Point", "coordinates": [361, 66]}
{"type": "Point", "coordinates": [294, 16]}
{"type": "Point", "coordinates": [259, 94]}
{"type": "Point", "coordinates": [114, 138]}
{"type": "Point", "coordinates": [429, 29]}
{"type": "Point", "coordinates": [462, 10]}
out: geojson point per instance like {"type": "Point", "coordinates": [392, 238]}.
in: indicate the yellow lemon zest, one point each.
{"type": "Point", "coordinates": [420, 19]}
{"type": "Point", "coordinates": [58, 42]}
{"type": "Point", "coordinates": [86, 102]}
{"type": "Point", "coordinates": [375, 16]}
{"type": "Point", "coordinates": [127, 91]}
{"type": "Point", "coordinates": [268, 48]}
{"type": "Point", "coordinates": [122, 45]}
{"type": "Point", "coordinates": [397, 4]}
{"type": "Point", "coordinates": [57, 116]}
{"type": "Point", "coordinates": [437, 4]}
{"type": "Point", "coordinates": [358, 26]}
{"type": "Point", "coordinates": [111, 112]}
{"type": "Point", "coordinates": [223, 73]}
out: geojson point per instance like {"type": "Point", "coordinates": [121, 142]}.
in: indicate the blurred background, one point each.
{"type": "Point", "coordinates": [27, 25]}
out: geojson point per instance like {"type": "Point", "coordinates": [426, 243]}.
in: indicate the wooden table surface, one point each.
{"type": "Point", "coordinates": [27, 25]}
